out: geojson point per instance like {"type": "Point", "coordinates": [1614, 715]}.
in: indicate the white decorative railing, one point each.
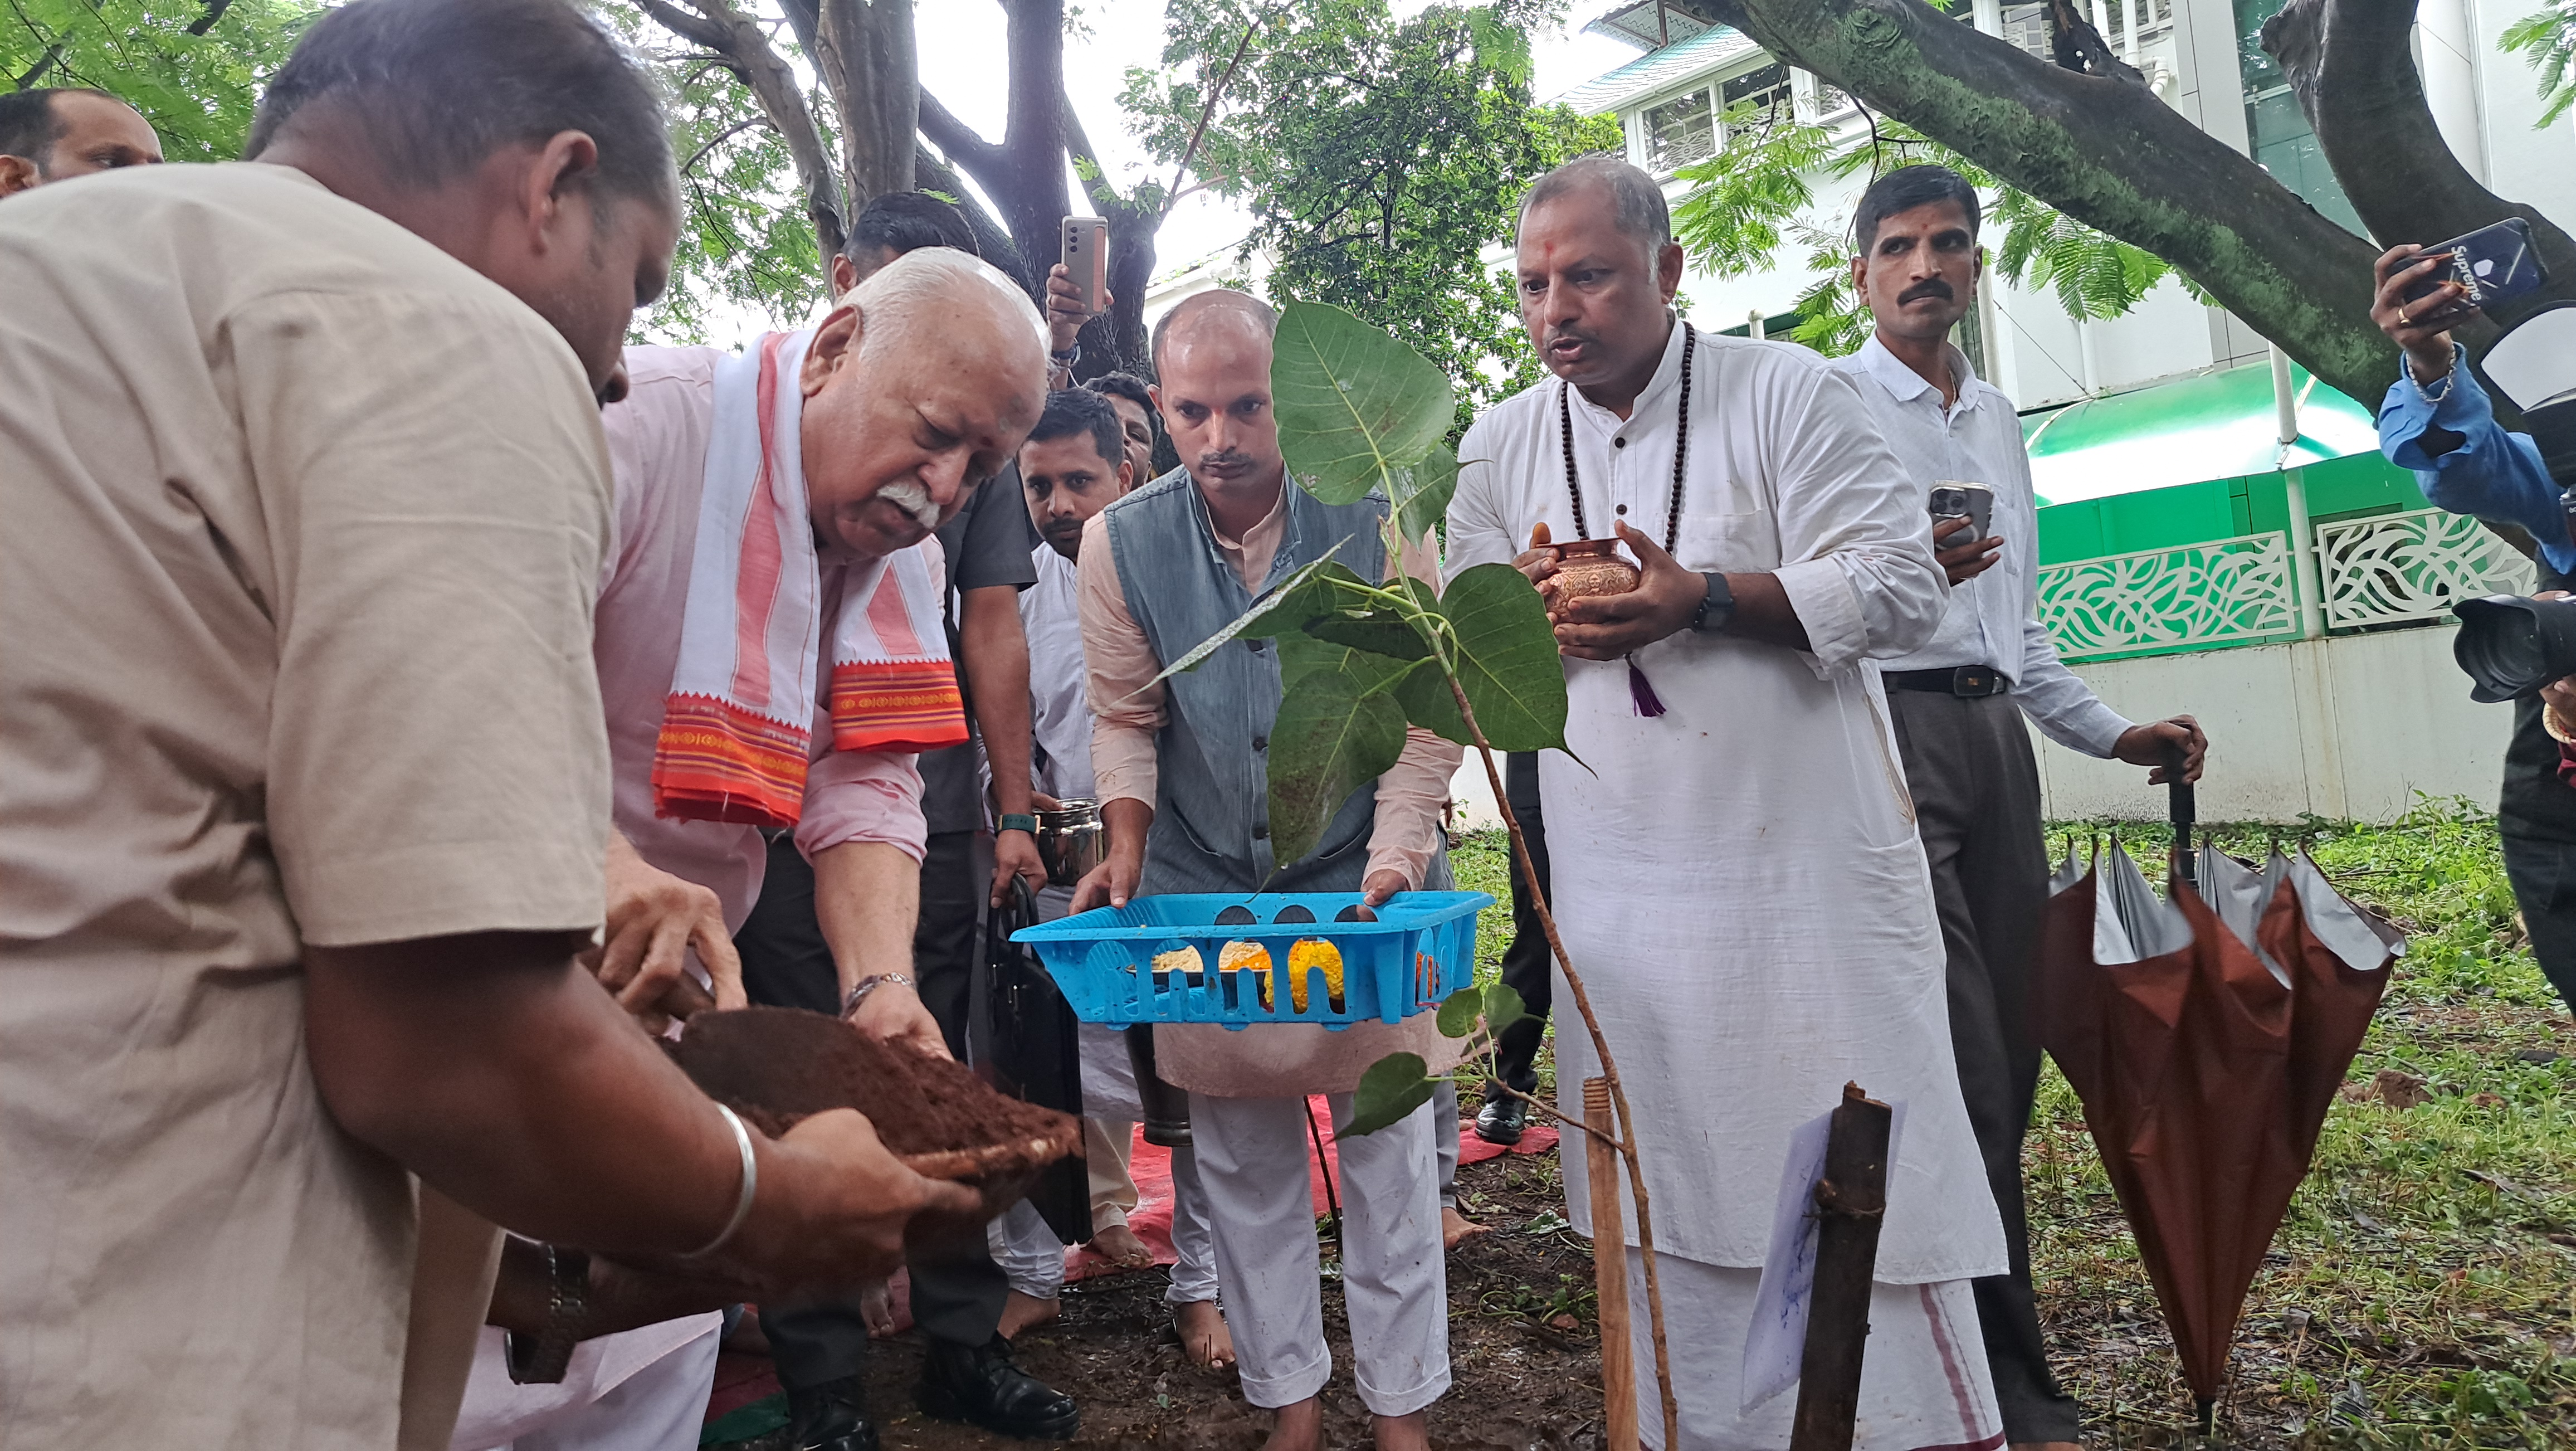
{"type": "Point", "coordinates": [2225, 592]}
{"type": "Point", "coordinates": [2397, 567]}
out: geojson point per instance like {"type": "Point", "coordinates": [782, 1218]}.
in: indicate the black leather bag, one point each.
{"type": "Point", "coordinates": [1022, 1040]}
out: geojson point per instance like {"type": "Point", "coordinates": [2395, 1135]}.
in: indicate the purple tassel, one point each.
{"type": "Point", "coordinates": [1641, 692]}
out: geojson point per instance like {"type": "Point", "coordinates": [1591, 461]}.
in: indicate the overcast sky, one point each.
{"type": "Point", "coordinates": [960, 44]}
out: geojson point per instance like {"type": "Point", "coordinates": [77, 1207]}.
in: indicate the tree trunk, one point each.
{"type": "Point", "coordinates": [863, 49]}
{"type": "Point", "coordinates": [2352, 66]}
{"type": "Point", "coordinates": [2105, 152]}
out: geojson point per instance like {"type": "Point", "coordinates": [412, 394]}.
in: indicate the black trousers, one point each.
{"type": "Point", "coordinates": [2543, 874]}
{"type": "Point", "coordinates": [1977, 806]}
{"type": "Point", "coordinates": [786, 963]}
{"type": "Point", "coordinates": [1528, 967]}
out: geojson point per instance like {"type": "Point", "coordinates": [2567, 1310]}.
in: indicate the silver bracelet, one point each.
{"type": "Point", "coordinates": [859, 991]}
{"type": "Point", "coordinates": [750, 1187]}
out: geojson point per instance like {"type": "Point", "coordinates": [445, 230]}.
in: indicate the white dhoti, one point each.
{"type": "Point", "coordinates": [1395, 1284]}
{"type": "Point", "coordinates": [637, 1390]}
{"type": "Point", "coordinates": [1923, 1382]}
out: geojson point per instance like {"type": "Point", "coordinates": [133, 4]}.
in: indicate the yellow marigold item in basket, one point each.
{"type": "Point", "coordinates": [1307, 955]}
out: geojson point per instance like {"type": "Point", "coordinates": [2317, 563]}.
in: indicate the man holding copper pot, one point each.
{"type": "Point", "coordinates": [1732, 858]}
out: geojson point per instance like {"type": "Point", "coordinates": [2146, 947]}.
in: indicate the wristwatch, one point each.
{"type": "Point", "coordinates": [1715, 608]}
{"type": "Point", "coordinates": [1018, 821]}
{"type": "Point", "coordinates": [541, 1359]}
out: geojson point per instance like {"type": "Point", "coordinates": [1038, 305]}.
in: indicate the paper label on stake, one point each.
{"type": "Point", "coordinates": [1776, 1343]}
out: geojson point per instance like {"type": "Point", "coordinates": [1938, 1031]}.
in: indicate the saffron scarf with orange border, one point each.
{"type": "Point", "coordinates": [737, 726]}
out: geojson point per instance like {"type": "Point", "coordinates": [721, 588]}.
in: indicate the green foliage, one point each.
{"type": "Point", "coordinates": [1493, 1006]}
{"type": "Point", "coordinates": [197, 90]}
{"type": "Point", "coordinates": [1743, 199]}
{"type": "Point", "coordinates": [746, 244]}
{"type": "Point", "coordinates": [2548, 38]}
{"type": "Point", "coordinates": [1379, 154]}
{"type": "Point", "coordinates": [1757, 194]}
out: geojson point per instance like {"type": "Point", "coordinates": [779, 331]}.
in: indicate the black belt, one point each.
{"type": "Point", "coordinates": [1969, 682]}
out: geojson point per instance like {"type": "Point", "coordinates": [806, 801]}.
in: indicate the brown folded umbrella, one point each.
{"type": "Point", "coordinates": [2206, 1037]}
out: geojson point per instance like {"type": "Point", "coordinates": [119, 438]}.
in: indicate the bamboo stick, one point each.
{"type": "Point", "coordinates": [1851, 1200]}
{"type": "Point", "coordinates": [1610, 1272]}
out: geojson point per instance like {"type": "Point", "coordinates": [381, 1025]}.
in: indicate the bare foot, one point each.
{"type": "Point", "coordinates": [1120, 1246]}
{"type": "Point", "coordinates": [876, 1309]}
{"type": "Point", "coordinates": [1402, 1433]}
{"type": "Point", "coordinates": [1456, 1229]}
{"type": "Point", "coordinates": [1204, 1336]}
{"type": "Point", "coordinates": [1300, 1427]}
{"type": "Point", "coordinates": [1019, 1312]}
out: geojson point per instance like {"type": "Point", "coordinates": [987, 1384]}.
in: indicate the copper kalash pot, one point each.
{"type": "Point", "coordinates": [1586, 567]}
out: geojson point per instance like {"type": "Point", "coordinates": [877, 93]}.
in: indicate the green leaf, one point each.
{"type": "Point", "coordinates": [1283, 602]}
{"type": "Point", "coordinates": [1365, 672]}
{"type": "Point", "coordinates": [1392, 1088]}
{"type": "Point", "coordinates": [1507, 665]}
{"type": "Point", "coordinates": [1503, 1007]}
{"type": "Point", "coordinates": [1304, 598]}
{"type": "Point", "coordinates": [1381, 632]}
{"type": "Point", "coordinates": [1353, 403]}
{"type": "Point", "coordinates": [1337, 730]}
{"type": "Point", "coordinates": [1459, 1012]}
{"type": "Point", "coordinates": [1422, 492]}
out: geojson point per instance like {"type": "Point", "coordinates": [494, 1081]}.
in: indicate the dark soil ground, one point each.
{"type": "Point", "coordinates": [1521, 1345]}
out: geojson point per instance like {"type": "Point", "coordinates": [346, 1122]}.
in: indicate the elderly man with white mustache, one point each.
{"type": "Point", "coordinates": [770, 655]}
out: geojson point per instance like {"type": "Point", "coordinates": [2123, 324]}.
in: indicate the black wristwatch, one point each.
{"type": "Point", "coordinates": [1715, 608]}
{"type": "Point", "coordinates": [542, 1359]}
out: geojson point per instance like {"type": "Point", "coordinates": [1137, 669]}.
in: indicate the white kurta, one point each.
{"type": "Point", "coordinates": [1060, 716]}
{"type": "Point", "coordinates": [1739, 879]}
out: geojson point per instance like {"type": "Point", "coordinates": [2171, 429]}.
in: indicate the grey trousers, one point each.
{"type": "Point", "coordinates": [1977, 805]}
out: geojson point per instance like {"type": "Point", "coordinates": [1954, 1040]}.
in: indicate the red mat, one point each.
{"type": "Point", "coordinates": [743, 1379]}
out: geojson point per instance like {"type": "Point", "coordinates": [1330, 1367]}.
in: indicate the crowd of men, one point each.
{"type": "Point", "coordinates": [395, 660]}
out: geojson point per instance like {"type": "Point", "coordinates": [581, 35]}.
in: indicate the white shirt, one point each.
{"type": "Point", "coordinates": [1739, 878]}
{"type": "Point", "coordinates": [1051, 617]}
{"type": "Point", "coordinates": [1993, 619]}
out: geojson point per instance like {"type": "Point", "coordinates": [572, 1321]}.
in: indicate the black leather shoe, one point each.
{"type": "Point", "coordinates": [980, 1385]}
{"type": "Point", "coordinates": [1501, 1120]}
{"type": "Point", "coordinates": [830, 1417]}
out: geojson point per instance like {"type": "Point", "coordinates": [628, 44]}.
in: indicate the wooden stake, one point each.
{"type": "Point", "coordinates": [1610, 1272]}
{"type": "Point", "coordinates": [1851, 1200]}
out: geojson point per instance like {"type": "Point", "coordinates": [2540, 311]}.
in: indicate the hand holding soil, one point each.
{"type": "Point", "coordinates": [834, 1203]}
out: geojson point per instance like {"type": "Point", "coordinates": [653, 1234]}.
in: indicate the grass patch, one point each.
{"type": "Point", "coordinates": [2422, 1290]}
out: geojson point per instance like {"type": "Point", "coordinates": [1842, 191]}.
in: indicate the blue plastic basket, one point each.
{"type": "Point", "coordinates": [1421, 948]}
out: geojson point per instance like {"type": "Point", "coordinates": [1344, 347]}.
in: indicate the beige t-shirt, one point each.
{"type": "Point", "coordinates": [300, 523]}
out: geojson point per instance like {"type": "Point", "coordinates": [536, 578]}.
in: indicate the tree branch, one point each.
{"type": "Point", "coordinates": [2106, 153]}
{"type": "Point", "coordinates": [957, 141]}
{"type": "Point", "coordinates": [1216, 92]}
{"type": "Point", "coordinates": [704, 34]}
{"type": "Point", "coordinates": [214, 12]}
{"type": "Point", "coordinates": [728, 32]}
{"type": "Point", "coordinates": [720, 138]}
{"type": "Point", "coordinates": [2351, 65]}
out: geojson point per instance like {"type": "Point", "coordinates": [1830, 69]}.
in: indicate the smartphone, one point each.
{"type": "Point", "coordinates": [1086, 258]}
{"type": "Point", "coordinates": [1959, 499]}
{"type": "Point", "coordinates": [2494, 264]}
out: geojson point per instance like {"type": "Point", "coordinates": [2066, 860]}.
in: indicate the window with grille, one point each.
{"type": "Point", "coordinates": [1766, 88]}
{"type": "Point", "coordinates": [1679, 132]}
